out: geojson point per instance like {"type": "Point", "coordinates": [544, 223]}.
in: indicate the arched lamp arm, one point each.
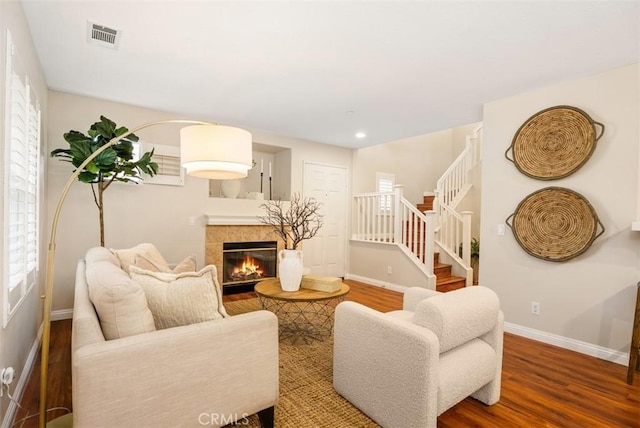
{"type": "Point", "coordinates": [48, 288]}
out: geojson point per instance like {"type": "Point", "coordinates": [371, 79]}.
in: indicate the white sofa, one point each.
{"type": "Point", "coordinates": [204, 374]}
{"type": "Point", "coordinates": [404, 368]}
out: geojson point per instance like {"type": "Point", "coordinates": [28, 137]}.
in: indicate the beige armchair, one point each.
{"type": "Point", "coordinates": [405, 368]}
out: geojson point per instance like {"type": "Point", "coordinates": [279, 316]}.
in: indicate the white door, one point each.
{"type": "Point", "coordinates": [325, 253]}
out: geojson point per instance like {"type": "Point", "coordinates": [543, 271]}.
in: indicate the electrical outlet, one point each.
{"type": "Point", "coordinates": [535, 308]}
{"type": "Point", "coordinates": [389, 270]}
{"type": "Point", "coordinates": [6, 376]}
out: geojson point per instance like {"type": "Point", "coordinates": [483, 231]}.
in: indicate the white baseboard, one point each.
{"type": "Point", "coordinates": [567, 343]}
{"type": "Point", "coordinates": [377, 283]}
{"type": "Point", "coordinates": [530, 333]}
{"type": "Point", "coordinates": [63, 314]}
{"type": "Point", "coordinates": [22, 381]}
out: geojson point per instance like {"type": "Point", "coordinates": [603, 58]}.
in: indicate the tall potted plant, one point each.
{"type": "Point", "coordinates": [114, 164]}
{"type": "Point", "coordinates": [302, 220]}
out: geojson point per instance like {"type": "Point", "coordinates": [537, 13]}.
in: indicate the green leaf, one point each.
{"type": "Point", "coordinates": [61, 153]}
{"type": "Point", "coordinates": [107, 159]}
{"type": "Point", "coordinates": [92, 168]}
{"type": "Point", "coordinates": [75, 136]}
{"type": "Point", "coordinates": [80, 150]}
{"type": "Point", "coordinates": [124, 149]}
{"type": "Point", "coordinates": [106, 128]}
{"type": "Point", "coordinates": [87, 177]}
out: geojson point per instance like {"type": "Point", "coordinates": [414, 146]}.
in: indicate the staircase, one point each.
{"type": "Point", "coordinates": [425, 230]}
{"type": "Point", "coordinates": [445, 280]}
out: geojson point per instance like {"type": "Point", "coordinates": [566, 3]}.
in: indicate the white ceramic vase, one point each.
{"type": "Point", "coordinates": [230, 188]}
{"type": "Point", "coordinates": [290, 269]}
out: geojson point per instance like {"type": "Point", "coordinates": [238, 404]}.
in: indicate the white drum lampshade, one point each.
{"type": "Point", "coordinates": [215, 152]}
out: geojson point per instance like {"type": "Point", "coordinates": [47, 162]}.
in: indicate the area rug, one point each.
{"type": "Point", "coordinates": [307, 398]}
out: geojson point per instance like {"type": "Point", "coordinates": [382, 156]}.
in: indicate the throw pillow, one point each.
{"type": "Point", "coordinates": [187, 265]}
{"type": "Point", "coordinates": [144, 262]}
{"type": "Point", "coordinates": [119, 301]}
{"type": "Point", "coordinates": [127, 256]}
{"type": "Point", "coordinates": [185, 298]}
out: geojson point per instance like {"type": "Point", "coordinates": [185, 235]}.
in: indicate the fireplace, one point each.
{"type": "Point", "coordinates": [246, 263]}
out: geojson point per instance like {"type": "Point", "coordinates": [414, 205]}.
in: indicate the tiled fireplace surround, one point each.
{"type": "Point", "coordinates": [234, 229]}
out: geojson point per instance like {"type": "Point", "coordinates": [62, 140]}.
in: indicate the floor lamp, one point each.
{"type": "Point", "coordinates": [207, 150]}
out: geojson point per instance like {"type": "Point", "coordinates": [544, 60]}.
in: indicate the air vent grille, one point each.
{"type": "Point", "coordinates": [102, 35]}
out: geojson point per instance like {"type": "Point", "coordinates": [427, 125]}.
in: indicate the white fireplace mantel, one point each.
{"type": "Point", "coordinates": [246, 220]}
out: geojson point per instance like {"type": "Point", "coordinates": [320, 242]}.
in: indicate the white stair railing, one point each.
{"type": "Point", "coordinates": [453, 230]}
{"type": "Point", "coordinates": [390, 218]}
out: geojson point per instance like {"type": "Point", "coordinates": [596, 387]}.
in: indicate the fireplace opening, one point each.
{"type": "Point", "coordinates": [246, 263]}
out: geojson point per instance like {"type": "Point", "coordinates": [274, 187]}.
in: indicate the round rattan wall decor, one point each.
{"type": "Point", "coordinates": [554, 143]}
{"type": "Point", "coordinates": [555, 224]}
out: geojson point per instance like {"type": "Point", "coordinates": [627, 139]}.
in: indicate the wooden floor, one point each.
{"type": "Point", "coordinates": [542, 385]}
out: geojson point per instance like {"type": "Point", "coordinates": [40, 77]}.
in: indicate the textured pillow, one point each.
{"type": "Point", "coordinates": [127, 256]}
{"type": "Point", "coordinates": [177, 299]}
{"type": "Point", "coordinates": [119, 301]}
{"type": "Point", "coordinates": [144, 262]}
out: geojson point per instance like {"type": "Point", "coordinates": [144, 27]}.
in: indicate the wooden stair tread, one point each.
{"type": "Point", "coordinates": [449, 280]}
{"type": "Point", "coordinates": [449, 287]}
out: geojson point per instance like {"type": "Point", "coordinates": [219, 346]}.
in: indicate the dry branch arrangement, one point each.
{"type": "Point", "coordinates": [301, 221]}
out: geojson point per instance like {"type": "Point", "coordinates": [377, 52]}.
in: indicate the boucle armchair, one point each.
{"type": "Point", "coordinates": [405, 368]}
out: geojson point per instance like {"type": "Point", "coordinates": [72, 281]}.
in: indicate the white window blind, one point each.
{"type": "Point", "coordinates": [384, 184]}
{"type": "Point", "coordinates": [170, 171]}
{"type": "Point", "coordinates": [21, 184]}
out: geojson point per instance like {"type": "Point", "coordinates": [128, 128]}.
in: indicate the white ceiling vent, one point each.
{"type": "Point", "coordinates": [102, 36]}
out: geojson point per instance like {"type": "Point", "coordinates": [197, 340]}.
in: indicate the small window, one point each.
{"type": "Point", "coordinates": [384, 185]}
{"type": "Point", "coordinates": [170, 171]}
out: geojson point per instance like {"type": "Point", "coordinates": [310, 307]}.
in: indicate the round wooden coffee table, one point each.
{"type": "Point", "coordinates": [305, 314]}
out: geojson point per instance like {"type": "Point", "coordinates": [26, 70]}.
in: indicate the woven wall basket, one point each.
{"type": "Point", "coordinates": [554, 143]}
{"type": "Point", "coordinates": [555, 224]}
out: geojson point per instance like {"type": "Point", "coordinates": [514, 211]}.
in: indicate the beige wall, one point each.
{"type": "Point", "coordinates": [370, 262]}
{"type": "Point", "coordinates": [589, 298]}
{"type": "Point", "coordinates": [146, 213]}
{"type": "Point", "coordinates": [17, 339]}
{"type": "Point", "coordinates": [417, 163]}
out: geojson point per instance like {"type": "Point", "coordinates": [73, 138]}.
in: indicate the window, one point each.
{"type": "Point", "coordinates": [170, 171]}
{"type": "Point", "coordinates": [21, 207]}
{"type": "Point", "coordinates": [384, 184]}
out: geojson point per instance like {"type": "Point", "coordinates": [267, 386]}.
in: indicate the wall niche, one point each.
{"type": "Point", "coordinates": [273, 162]}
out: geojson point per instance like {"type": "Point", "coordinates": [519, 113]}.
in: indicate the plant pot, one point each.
{"type": "Point", "coordinates": [476, 270]}
{"type": "Point", "coordinates": [290, 269]}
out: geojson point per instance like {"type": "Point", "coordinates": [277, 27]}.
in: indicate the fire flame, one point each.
{"type": "Point", "coordinates": [249, 269]}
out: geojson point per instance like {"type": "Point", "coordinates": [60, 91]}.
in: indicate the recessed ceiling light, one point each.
{"type": "Point", "coordinates": [360, 135]}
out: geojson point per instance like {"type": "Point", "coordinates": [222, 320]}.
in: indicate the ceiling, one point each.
{"type": "Point", "coordinates": [324, 70]}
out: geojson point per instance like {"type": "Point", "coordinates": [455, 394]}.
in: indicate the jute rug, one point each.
{"type": "Point", "coordinates": [307, 398]}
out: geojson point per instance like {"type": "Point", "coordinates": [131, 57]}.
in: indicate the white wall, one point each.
{"type": "Point", "coordinates": [146, 213]}
{"type": "Point", "coordinates": [589, 298]}
{"type": "Point", "coordinates": [17, 338]}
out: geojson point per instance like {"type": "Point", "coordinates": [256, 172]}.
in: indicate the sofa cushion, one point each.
{"type": "Point", "coordinates": [119, 301]}
{"type": "Point", "coordinates": [147, 263]}
{"type": "Point", "coordinates": [185, 298]}
{"type": "Point", "coordinates": [458, 316]}
{"type": "Point", "coordinates": [127, 256]}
